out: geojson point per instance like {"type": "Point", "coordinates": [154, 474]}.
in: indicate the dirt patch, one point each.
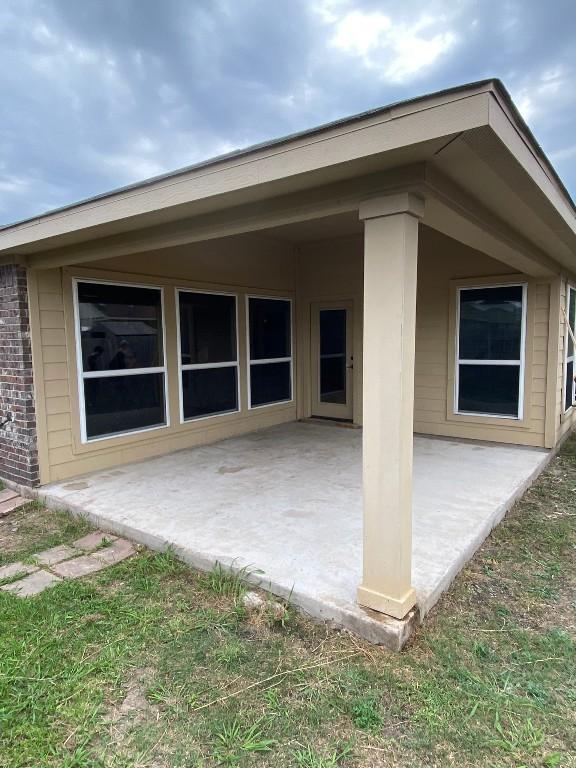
{"type": "Point", "coordinates": [33, 528]}
{"type": "Point", "coordinates": [15, 529]}
{"type": "Point", "coordinates": [134, 709]}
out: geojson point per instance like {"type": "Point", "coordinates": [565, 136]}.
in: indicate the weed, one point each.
{"type": "Point", "coordinates": [11, 579]}
{"type": "Point", "coordinates": [235, 740]}
{"type": "Point", "coordinates": [308, 757]}
{"type": "Point", "coordinates": [227, 582]}
{"type": "Point", "coordinates": [158, 694]}
{"type": "Point", "coordinates": [230, 654]}
{"type": "Point", "coordinates": [366, 714]}
{"type": "Point", "coordinates": [517, 738]}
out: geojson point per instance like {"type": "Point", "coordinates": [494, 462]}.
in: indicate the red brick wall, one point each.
{"type": "Point", "coordinates": [18, 454]}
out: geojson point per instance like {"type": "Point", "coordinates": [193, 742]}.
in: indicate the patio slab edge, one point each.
{"type": "Point", "coordinates": [483, 532]}
{"type": "Point", "coordinates": [376, 628]}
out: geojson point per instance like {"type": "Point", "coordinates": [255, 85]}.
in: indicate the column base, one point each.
{"type": "Point", "coordinates": [377, 601]}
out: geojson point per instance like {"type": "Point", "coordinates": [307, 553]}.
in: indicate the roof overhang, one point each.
{"type": "Point", "coordinates": [470, 139]}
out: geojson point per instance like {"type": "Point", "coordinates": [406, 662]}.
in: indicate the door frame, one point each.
{"type": "Point", "coordinates": [335, 411]}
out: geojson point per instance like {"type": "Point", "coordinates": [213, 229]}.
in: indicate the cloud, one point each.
{"type": "Point", "coordinates": [100, 93]}
{"type": "Point", "coordinates": [543, 94]}
{"type": "Point", "coordinates": [396, 51]}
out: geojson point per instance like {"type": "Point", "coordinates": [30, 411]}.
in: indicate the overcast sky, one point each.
{"type": "Point", "coordinates": [95, 94]}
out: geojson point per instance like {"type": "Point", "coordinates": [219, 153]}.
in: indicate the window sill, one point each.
{"type": "Point", "coordinates": [164, 433]}
{"type": "Point", "coordinates": [510, 422]}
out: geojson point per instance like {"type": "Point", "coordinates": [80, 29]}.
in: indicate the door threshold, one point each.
{"type": "Point", "coordinates": [329, 420]}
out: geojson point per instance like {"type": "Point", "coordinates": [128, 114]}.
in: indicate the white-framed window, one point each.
{"type": "Point", "coordinates": [120, 348]}
{"type": "Point", "coordinates": [208, 354]}
{"type": "Point", "coordinates": [270, 367]}
{"type": "Point", "coordinates": [569, 385]}
{"type": "Point", "coordinates": [490, 341]}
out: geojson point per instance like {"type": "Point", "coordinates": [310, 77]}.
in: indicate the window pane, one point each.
{"type": "Point", "coordinates": [572, 319]}
{"type": "Point", "coordinates": [492, 389]}
{"type": "Point", "coordinates": [333, 356]}
{"type": "Point", "coordinates": [120, 327]}
{"type": "Point", "coordinates": [269, 328]}
{"type": "Point", "coordinates": [123, 403]}
{"type": "Point", "coordinates": [491, 323]}
{"type": "Point", "coordinates": [270, 383]}
{"type": "Point", "coordinates": [209, 390]}
{"type": "Point", "coordinates": [207, 328]}
{"type": "Point", "coordinates": [569, 387]}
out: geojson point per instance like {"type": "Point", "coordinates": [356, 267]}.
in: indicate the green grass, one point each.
{"type": "Point", "coordinates": [152, 665]}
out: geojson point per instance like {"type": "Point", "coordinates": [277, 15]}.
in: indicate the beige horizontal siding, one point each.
{"type": "Point", "coordinates": [442, 260]}
{"type": "Point", "coordinates": [271, 268]}
{"type": "Point", "coordinates": [336, 274]}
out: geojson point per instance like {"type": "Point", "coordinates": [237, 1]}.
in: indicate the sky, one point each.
{"type": "Point", "coordinates": [96, 94]}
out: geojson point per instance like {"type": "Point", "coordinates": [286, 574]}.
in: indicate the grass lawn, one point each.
{"type": "Point", "coordinates": [150, 664]}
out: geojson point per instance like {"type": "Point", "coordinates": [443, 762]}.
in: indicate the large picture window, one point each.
{"type": "Point", "coordinates": [569, 386]}
{"type": "Point", "coordinates": [120, 358]}
{"type": "Point", "coordinates": [270, 351]}
{"type": "Point", "coordinates": [490, 350]}
{"type": "Point", "coordinates": [208, 354]}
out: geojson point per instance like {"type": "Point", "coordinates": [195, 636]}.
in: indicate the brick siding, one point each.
{"type": "Point", "coordinates": [18, 454]}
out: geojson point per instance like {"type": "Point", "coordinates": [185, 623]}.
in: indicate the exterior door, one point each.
{"type": "Point", "coordinates": [332, 360]}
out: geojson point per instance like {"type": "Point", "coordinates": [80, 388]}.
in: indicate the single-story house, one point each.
{"type": "Point", "coordinates": [411, 269]}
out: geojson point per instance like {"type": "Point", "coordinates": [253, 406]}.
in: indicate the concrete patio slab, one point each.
{"type": "Point", "coordinates": [287, 501]}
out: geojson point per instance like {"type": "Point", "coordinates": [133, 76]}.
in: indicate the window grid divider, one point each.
{"type": "Point", "coordinates": [268, 360]}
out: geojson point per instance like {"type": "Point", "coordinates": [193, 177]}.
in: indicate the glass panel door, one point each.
{"type": "Point", "coordinates": [332, 360]}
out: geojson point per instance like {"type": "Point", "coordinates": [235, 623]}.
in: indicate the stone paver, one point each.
{"type": "Point", "coordinates": [55, 555]}
{"type": "Point", "coordinates": [11, 504]}
{"type": "Point", "coordinates": [93, 540]}
{"type": "Point", "coordinates": [8, 571]}
{"type": "Point", "coordinates": [117, 551]}
{"type": "Point", "coordinates": [79, 566]}
{"type": "Point", "coordinates": [66, 562]}
{"type": "Point", "coordinates": [33, 584]}
{"type": "Point", "coordinates": [7, 494]}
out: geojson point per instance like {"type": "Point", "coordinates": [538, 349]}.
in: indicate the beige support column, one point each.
{"type": "Point", "coordinates": [390, 264]}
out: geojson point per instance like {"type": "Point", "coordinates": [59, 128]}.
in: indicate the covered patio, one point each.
{"type": "Point", "coordinates": [286, 502]}
{"type": "Point", "coordinates": [404, 271]}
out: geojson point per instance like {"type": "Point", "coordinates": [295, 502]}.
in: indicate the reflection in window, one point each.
{"type": "Point", "coordinates": [270, 351]}
{"type": "Point", "coordinates": [121, 358]}
{"type": "Point", "coordinates": [208, 354]}
{"type": "Point", "coordinates": [489, 361]}
{"type": "Point", "coordinates": [120, 326]}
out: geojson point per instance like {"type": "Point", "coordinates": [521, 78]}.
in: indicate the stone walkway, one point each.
{"type": "Point", "coordinates": [10, 500]}
{"type": "Point", "coordinates": [89, 554]}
